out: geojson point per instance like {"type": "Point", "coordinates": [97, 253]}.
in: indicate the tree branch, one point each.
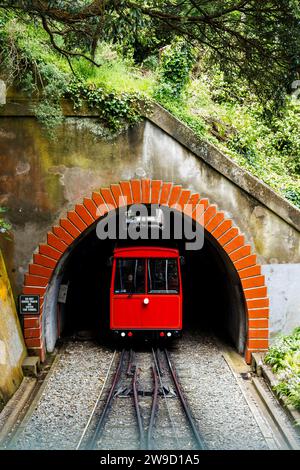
{"type": "Point", "coordinates": [64, 52]}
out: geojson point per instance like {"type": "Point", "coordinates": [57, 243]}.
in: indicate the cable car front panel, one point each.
{"type": "Point", "coordinates": [146, 291]}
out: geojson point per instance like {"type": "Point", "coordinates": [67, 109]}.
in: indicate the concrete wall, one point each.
{"type": "Point", "coordinates": [283, 281]}
{"type": "Point", "coordinates": [12, 349]}
{"type": "Point", "coordinates": [42, 178]}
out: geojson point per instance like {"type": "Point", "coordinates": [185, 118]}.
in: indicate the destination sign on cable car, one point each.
{"type": "Point", "coordinates": [29, 304]}
{"type": "Point", "coordinates": [155, 219]}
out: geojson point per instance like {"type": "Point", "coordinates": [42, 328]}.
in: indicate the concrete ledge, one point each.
{"type": "Point", "coordinates": [293, 414]}
{"type": "Point", "coordinates": [286, 434]}
{"type": "Point", "coordinates": [15, 407]}
{"type": "Point", "coordinates": [41, 383]}
{"type": "Point", "coordinates": [31, 366]}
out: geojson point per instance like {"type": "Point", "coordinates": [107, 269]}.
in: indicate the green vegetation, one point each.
{"type": "Point", "coordinates": [258, 41]}
{"type": "Point", "coordinates": [268, 146]}
{"type": "Point", "coordinates": [284, 357]}
{"type": "Point", "coordinates": [261, 136]}
{"type": "Point", "coordinates": [115, 89]}
{"type": "Point", "coordinates": [174, 71]}
{"type": "Point", "coordinates": [116, 109]}
{"type": "Point", "coordinates": [4, 225]}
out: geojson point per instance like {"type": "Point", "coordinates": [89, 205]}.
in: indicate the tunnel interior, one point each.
{"type": "Point", "coordinates": [212, 295]}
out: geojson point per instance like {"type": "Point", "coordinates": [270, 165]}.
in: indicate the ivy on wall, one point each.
{"type": "Point", "coordinates": [115, 110]}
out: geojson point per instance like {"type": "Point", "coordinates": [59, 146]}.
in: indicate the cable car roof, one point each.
{"type": "Point", "coordinates": [146, 252]}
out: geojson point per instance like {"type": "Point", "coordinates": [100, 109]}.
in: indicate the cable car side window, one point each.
{"type": "Point", "coordinates": [130, 276]}
{"type": "Point", "coordinates": [163, 276]}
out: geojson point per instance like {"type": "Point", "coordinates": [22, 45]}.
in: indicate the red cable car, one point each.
{"type": "Point", "coordinates": [146, 291]}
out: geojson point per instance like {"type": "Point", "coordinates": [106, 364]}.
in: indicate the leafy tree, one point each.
{"type": "Point", "coordinates": [254, 39]}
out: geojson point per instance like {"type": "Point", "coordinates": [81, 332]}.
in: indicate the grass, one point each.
{"type": "Point", "coordinates": [116, 73]}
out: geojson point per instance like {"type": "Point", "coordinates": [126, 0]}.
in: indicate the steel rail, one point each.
{"type": "Point", "coordinates": [198, 438]}
{"type": "Point", "coordinates": [159, 373]}
{"type": "Point", "coordinates": [100, 425]}
{"type": "Point", "coordinates": [153, 409]}
{"type": "Point", "coordinates": [137, 408]}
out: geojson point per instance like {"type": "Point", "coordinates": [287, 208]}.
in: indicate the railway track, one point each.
{"type": "Point", "coordinates": [144, 405]}
{"type": "Point", "coordinates": [66, 410]}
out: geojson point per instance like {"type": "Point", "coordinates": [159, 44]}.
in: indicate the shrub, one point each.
{"type": "Point", "coordinates": [174, 70]}
{"type": "Point", "coordinates": [5, 226]}
{"type": "Point", "coordinates": [284, 358]}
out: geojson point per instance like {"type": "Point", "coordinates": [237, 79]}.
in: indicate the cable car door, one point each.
{"type": "Point", "coordinates": [162, 306]}
{"type": "Point", "coordinates": [128, 292]}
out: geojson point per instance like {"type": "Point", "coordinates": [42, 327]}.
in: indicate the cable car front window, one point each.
{"type": "Point", "coordinates": [163, 276]}
{"type": "Point", "coordinates": [130, 276]}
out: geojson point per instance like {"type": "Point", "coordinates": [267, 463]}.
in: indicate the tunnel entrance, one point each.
{"type": "Point", "coordinates": [223, 288]}
{"type": "Point", "coordinates": [212, 292]}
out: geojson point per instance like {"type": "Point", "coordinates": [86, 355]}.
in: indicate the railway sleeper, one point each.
{"type": "Point", "coordinates": [125, 392]}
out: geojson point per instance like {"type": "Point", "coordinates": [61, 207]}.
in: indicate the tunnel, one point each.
{"type": "Point", "coordinates": [213, 299]}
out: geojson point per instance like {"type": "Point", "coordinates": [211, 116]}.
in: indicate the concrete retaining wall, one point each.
{"type": "Point", "coordinates": [41, 179]}
{"type": "Point", "coordinates": [12, 349]}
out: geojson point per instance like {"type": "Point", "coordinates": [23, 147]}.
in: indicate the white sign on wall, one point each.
{"type": "Point", "coordinates": [62, 294]}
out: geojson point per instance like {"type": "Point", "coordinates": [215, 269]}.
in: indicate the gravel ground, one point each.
{"type": "Point", "coordinates": [68, 398]}
{"type": "Point", "coordinates": [219, 407]}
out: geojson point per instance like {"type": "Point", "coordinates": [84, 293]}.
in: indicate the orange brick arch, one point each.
{"type": "Point", "coordinates": [146, 191]}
